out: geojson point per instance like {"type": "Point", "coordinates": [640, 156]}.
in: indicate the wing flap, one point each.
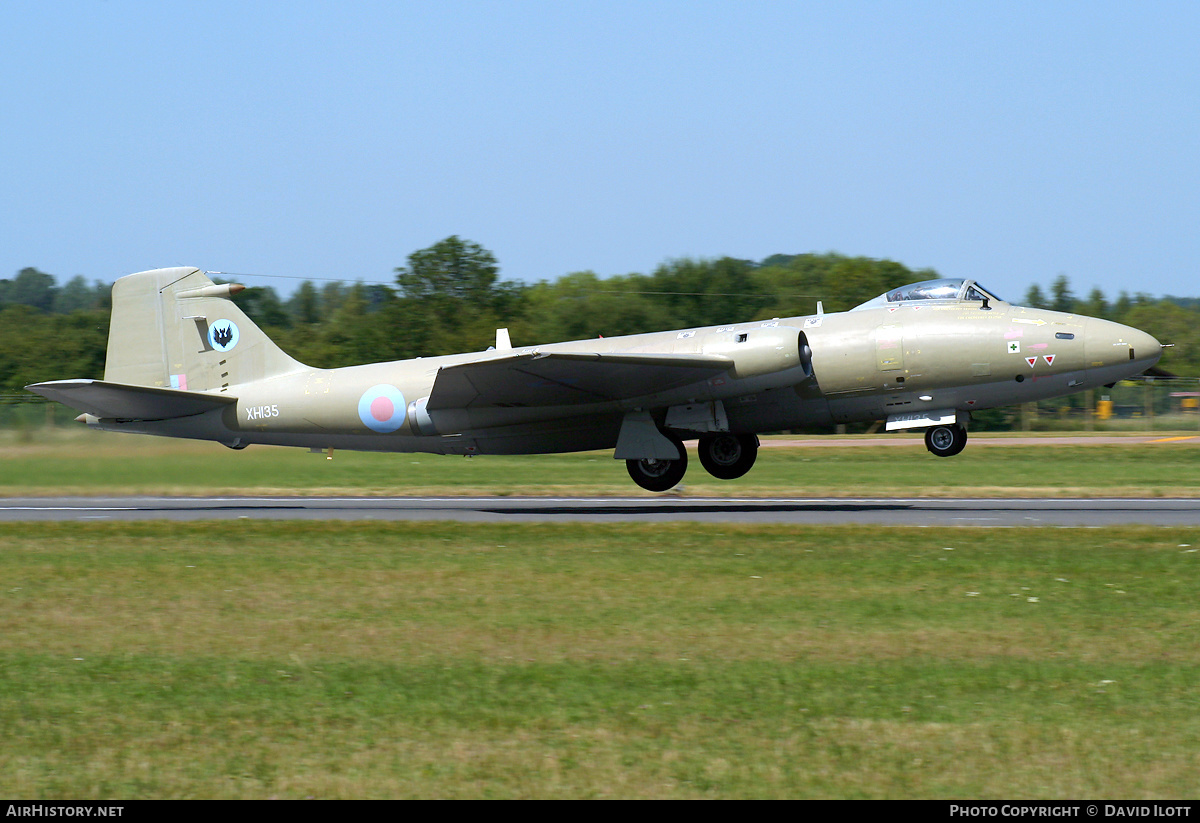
{"type": "Point", "coordinates": [128, 402]}
{"type": "Point", "coordinates": [567, 378]}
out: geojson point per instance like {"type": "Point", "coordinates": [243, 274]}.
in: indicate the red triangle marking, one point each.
{"type": "Point", "coordinates": [1049, 358]}
{"type": "Point", "coordinates": [1032, 361]}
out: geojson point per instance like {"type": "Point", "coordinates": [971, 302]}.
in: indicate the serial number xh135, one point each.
{"type": "Point", "coordinates": [184, 361]}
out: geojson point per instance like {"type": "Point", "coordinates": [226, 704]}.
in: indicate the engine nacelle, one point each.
{"type": "Point", "coordinates": [759, 351]}
{"type": "Point", "coordinates": [419, 421]}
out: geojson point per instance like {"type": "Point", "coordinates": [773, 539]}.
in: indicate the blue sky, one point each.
{"type": "Point", "coordinates": [1006, 141]}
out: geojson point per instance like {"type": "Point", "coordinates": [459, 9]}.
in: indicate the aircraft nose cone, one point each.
{"type": "Point", "coordinates": [1144, 347]}
{"type": "Point", "coordinates": [1113, 345]}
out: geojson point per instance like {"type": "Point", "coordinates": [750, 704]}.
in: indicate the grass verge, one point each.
{"type": "Point", "coordinates": [255, 659]}
{"type": "Point", "coordinates": [94, 463]}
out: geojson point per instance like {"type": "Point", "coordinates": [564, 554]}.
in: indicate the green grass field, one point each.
{"type": "Point", "coordinates": [254, 659]}
{"type": "Point", "coordinates": [81, 462]}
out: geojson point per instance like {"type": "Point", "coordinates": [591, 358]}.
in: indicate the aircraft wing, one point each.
{"type": "Point", "coordinates": [567, 378]}
{"type": "Point", "coordinates": [120, 400]}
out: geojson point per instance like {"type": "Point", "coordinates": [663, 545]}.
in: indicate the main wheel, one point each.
{"type": "Point", "coordinates": [728, 456]}
{"type": "Point", "coordinates": [659, 475]}
{"type": "Point", "coordinates": [945, 441]}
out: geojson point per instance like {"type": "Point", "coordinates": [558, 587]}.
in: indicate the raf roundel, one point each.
{"type": "Point", "coordinates": [223, 335]}
{"type": "Point", "coordinates": [381, 408]}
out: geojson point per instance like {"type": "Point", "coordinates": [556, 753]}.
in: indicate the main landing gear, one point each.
{"type": "Point", "coordinates": [724, 456]}
{"type": "Point", "coordinates": [659, 475]}
{"type": "Point", "coordinates": [946, 441]}
{"type": "Point", "coordinates": [728, 456]}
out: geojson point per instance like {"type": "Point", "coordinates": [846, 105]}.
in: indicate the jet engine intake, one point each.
{"type": "Point", "coordinates": [419, 421]}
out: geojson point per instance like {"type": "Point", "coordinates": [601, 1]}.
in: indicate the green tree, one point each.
{"type": "Point", "coordinates": [35, 346]}
{"type": "Point", "coordinates": [304, 306]}
{"type": "Point", "coordinates": [262, 305]}
{"type": "Point", "coordinates": [449, 271]}
{"type": "Point", "coordinates": [332, 296]}
{"type": "Point", "coordinates": [1120, 309]}
{"type": "Point", "coordinates": [76, 295]}
{"type": "Point", "coordinates": [581, 305]}
{"type": "Point", "coordinates": [1173, 324]}
{"type": "Point", "coordinates": [1035, 298]}
{"type": "Point", "coordinates": [32, 288]}
{"type": "Point", "coordinates": [1061, 298]}
{"type": "Point", "coordinates": [353, 335]}
{"type": "Point", "coordinates": [706, 292]}
{"type": "Point", "coordinates": [852, 280]}
{"type": "Point", "coordinates": [791, 285]}
{"type": "Point", "coordinates": [1095, 305]}
{"type": "Point", "coordinates": [451, 299]}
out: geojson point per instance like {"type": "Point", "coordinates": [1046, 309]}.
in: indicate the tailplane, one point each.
{"type": "Point", "coordinates": [124, 402]}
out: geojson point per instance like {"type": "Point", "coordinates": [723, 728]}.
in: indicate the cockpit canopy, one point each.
{"type": "Point", "coordinates": [948, 290]}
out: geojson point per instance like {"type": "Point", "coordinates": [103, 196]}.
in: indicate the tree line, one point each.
{"type": "Point", "coordinates": [450, 298]}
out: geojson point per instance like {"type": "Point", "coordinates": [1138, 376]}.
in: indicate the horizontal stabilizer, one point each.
{"type": "Point", "coordinates": [126, 402]}
{"type": "Point", "coordinates": [567, 378]}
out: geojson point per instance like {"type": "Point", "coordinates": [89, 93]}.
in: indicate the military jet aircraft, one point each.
{"type": "Point", "coordinates": [184, 361]}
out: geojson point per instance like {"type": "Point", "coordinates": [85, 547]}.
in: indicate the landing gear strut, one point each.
{"type": "Point", "coordinates": [659, 475]}
{"type": "Point", "coordinates": [728, 456]}
{"type": "Point", "coordinates": [946, 441]}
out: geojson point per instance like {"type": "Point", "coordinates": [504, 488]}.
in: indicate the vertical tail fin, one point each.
{"type": "Point", "coordinates": [176, 328]}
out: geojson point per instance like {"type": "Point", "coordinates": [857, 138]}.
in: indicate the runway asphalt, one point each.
{"type": "Point", "coordinates": [985, 439]}
{"type": "Point", "coordinates": [1096, 512]}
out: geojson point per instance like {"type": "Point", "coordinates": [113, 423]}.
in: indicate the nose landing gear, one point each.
{"type": "Point", "coordinates": [946, 441]}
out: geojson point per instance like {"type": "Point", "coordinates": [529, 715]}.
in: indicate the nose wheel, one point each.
{"type": "Point", "coordinates": [946, 441]}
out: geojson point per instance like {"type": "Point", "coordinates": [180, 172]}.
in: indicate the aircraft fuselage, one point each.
{"type": "Point", "coordinates": [863, 366]}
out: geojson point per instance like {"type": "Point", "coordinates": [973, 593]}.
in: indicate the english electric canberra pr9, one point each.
{"type": "Point", "coordinates": [184, 361]}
